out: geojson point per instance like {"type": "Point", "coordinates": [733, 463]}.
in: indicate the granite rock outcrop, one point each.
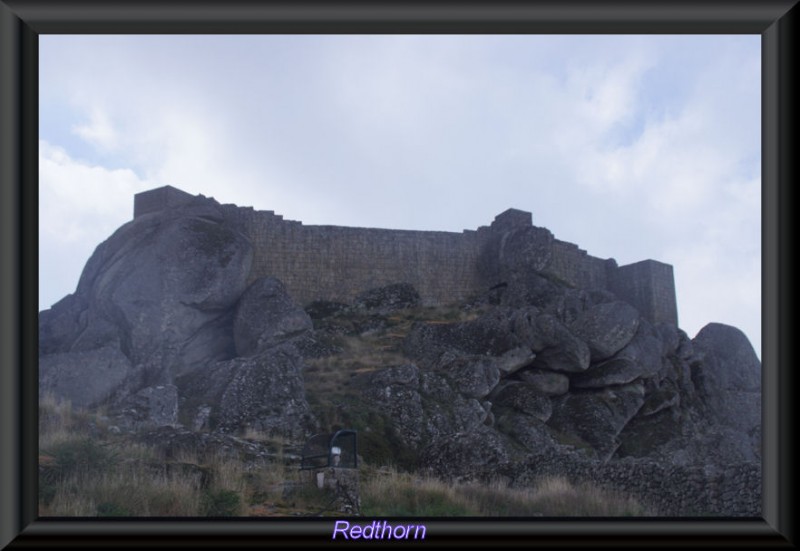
{"type": "Point", "coordinates": [171, 327]}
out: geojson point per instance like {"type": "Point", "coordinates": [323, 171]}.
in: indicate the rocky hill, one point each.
{"type": "Point", "coordinates": [531, 377]}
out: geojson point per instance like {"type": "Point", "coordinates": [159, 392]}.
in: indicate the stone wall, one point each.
{"type": "Point", "coordinates": [160, 198]}
{"type": "Point", "coordinates": [576, 267]}
{"type": "Point", "coordinates": [648, 285]}
{"type": "Point", "coordinates": [337, 263]}
{"type": "Point", "coordinates": [668, 490]}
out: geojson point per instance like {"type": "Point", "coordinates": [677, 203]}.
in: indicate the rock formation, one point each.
{"type": "Point", "coordinates": [165, 301]}
{"type": "Point", "coordinates": [168, 327]}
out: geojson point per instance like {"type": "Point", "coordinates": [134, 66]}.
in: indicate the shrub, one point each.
{"type": "Point", "coordinates": [79, 457]}
{"type": "Point", "coordinates": [221, 503]}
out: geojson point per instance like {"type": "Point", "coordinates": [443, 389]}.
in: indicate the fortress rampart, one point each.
{"type": "Point", "coordinates": [337, 262]}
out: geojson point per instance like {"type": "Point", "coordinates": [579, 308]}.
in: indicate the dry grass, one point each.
{"type": "Point", "coordinates": [329, 380]}
{"type": "Point", "coordinates": [391, 493]}
{"type": "Point", "coordinates": [86, 471]}
{"type": "Point", "coordinates": [107, 483]}
{"type": "Point", "coordinates": [388, 492]}
{"type": "Point", "coordinates": [561, 498]}
{"type": "Point", "coordinates": [359, 355]}
{"type": "Point", "coordinates": [107, 475]}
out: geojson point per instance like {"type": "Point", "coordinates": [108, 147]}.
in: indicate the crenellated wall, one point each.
{"type": "Point", "coordinates": [337, 262]}
{"type": "Point", "coordinates": [575, 266]}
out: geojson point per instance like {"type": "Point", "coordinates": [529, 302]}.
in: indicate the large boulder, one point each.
{"type": "Point", "coordinates": [597, 417]}
{"type": "Point", "coordinates": [556, 347]}
{"type": "Point", "coordinates": [666, 396]}
{"type": "Point", "coordinates": [443, 419]}
{"type": "Point", "coordinates": [267, 316]}
{"type": "Point", "coordinates": [264, 392]}
{"type": "Point", "coordinates": [728, 381]}
{"type": "Point", "coordinates": [446, 411]}
{"type": "Point", "coordinates": [524, 250]}
{"type": "Point", "coordinates": [606, 328]}
{"type": "Point", "coordinates": [728, 360]}
{"type": "Point", "coordinates": [524, 398]}
{"type": "Point", "coordinates": [473, 376]}
{"type": "Point", "coordinates": [548, 383]}
{"type": "Point", "coordinates": [659, 435]}
{"type": "Point", "coordinates": [704, 412]}
{"type": "Point", "coordinates": [641, 358]}
{"type": "Point", "coordinates": [570, 356]}
{"type": "Point", "coordinates": [153, 286]}
{"type": "Point", "coordinates": [149, 407]}
{"type": "Point", "coordinates": [671, 436]}
{"type": "Point", "coordinates": [535, 329]}
{"type": "Point", "coordinates": [514, 360]}
{"type": "Point", "coordinates": [395, 391]}
{"type": "Point", "coordinates": [60, 325]}
{"type": "Point", "coordinates": [421, 406]}
{"type": "Point", "coordinates": [466, 455]}
{"type": "Point", "coordinates": [154, 299]}
{"type": "Point", "coordinates": [490, 334]}
{"type": "Point", "coordinates": [85, 378]}
{"type": "Point", "coordinates": [529, 288]}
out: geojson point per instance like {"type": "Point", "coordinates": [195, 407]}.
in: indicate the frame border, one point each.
{"type": "Point", "coordinates": [22, 21]}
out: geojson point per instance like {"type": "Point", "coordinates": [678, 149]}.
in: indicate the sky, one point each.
{"type": "Point", "coordinates": [632, 147]}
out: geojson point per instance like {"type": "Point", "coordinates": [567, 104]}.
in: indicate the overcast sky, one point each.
{"type": "Point", "coordinates": [632, 147]}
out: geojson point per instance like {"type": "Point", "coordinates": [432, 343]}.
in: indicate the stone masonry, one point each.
{"type": "Point", "coordinates": [337, 263]}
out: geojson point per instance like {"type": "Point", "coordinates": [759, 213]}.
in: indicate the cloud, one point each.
{"type": "Point", "coordinates": [80, 205]}
{"type": "Point", "coordinates": [685, 180]}
{"type": "Point", "coordinates": [716, 283]}
{"type": "Point", "coordinates": [632, 147]}
{"type": "Point", "coordinates": [98, 131]}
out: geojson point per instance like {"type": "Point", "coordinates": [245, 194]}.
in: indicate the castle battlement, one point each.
{"type": "Point", "coordinates": [339, 262]}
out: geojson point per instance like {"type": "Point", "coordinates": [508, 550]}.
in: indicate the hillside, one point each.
{"type": "Point", "coordinates": [172, 342]}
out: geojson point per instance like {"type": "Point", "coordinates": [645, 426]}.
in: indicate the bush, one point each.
{"type": "Point", "coordinates": [47, 490]}
{"type": "Point", "coordinates": [80, 457]}
{"type": "Point", "coordinates": [221, 503]}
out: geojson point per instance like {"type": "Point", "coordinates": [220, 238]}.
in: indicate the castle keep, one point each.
{"type": "Point", "coordinates": [337, 263]}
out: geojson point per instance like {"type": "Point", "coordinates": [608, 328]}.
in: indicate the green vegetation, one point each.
{"type": "Point", "coordinates": [221, 503]}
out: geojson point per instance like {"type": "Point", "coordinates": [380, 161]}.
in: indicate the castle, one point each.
{"type": "Point", "coordinates": [337, 263]}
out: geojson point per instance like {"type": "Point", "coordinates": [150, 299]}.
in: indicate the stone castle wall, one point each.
{"type": "Point", "coordinates": [337, 263]}
{"type": "Point", "coordinates": [576, 267]}
{"type": "Point", "coordinates": [650, 286]}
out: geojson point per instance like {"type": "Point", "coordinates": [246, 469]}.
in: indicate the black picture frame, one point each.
{"type": "Point", "coordinates": [22, 21]}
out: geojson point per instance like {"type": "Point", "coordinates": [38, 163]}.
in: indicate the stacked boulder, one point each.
{"type": "Point", "coordinates": [166, 328]}
{"type": "Point", "coordinates": [580, 373]}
